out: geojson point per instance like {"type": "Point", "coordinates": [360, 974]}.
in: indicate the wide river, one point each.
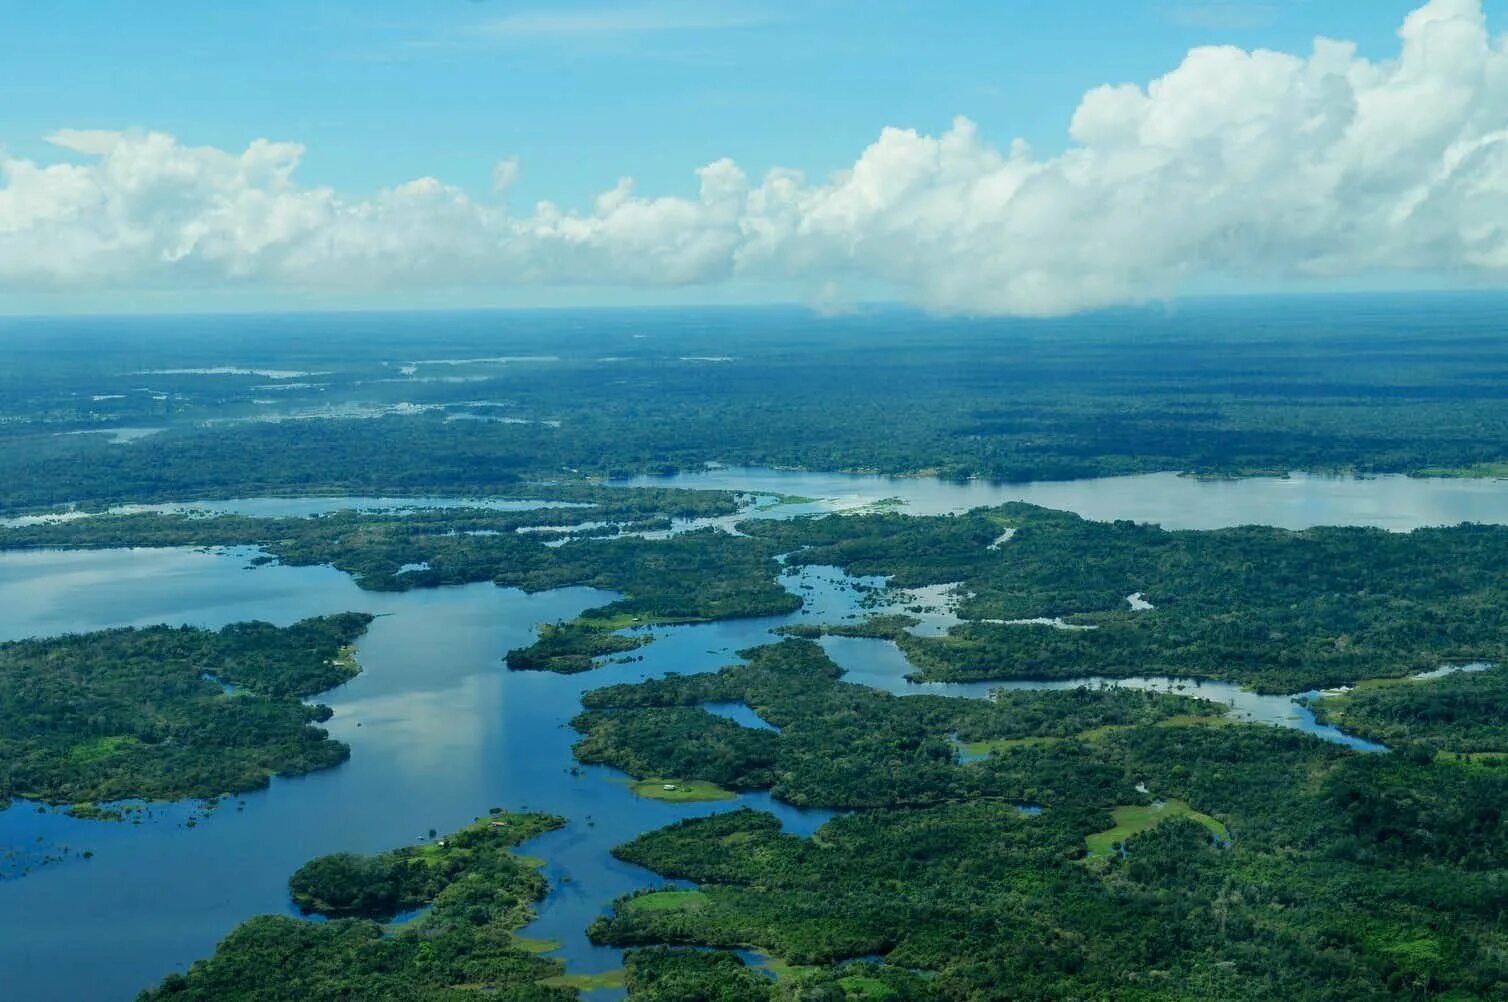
{"type": "Point", "coordinates": [440, 730]}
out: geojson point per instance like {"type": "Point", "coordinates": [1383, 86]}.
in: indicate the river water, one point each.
{"type": "Point", "coordinates": [440, 730]}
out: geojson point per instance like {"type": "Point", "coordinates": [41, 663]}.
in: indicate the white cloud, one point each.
{"type": "Point", "coordinates": [1236, 167]}
{"type": "Point", "coordinates": [504, 174]}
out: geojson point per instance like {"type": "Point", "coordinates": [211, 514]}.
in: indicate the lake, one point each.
{"type": "Point", "coordinates": [441, 731]}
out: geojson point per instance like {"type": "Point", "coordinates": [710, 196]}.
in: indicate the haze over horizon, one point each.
{"type": "Point", "coordinates": [448, 160]}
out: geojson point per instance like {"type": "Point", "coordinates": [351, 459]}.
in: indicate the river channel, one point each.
{"type": "Point", "coordinates": [440, 730]}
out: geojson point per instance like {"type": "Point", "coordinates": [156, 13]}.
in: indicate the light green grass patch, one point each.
{"type": "Point", "coordinates": [781, 970]}
{"type": "Point", "coordinates": [857, 986]}
{"type": "Point", "coordinates": [1133, 819]}
{"type": "Point", "coordinates": [993, 745]}
{"type": "Point", "coordinates": [530, 945]}
{"type": "Point", "coordinates": [586, 982]}
{"type": "Point", "coordinates": [685, 790]}
{"type": "Point", "coordinates": [660, 901]}
{"type": "Point", "coordinates": [99, 749]}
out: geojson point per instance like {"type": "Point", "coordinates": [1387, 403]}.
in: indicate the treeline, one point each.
{"type": "Point", "coordinates": [145, 713]}
{"type": "Point", "coordinates": [1214, 390]}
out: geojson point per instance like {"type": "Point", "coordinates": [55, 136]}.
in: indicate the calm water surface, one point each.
{"type": "Point", "coordinates": [441, 731]}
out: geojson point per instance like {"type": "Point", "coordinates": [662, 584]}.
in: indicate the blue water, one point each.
{"type": "Point", "coordinates": [441, 731]}
{"type": "Point", "coordinates": [739, 713]}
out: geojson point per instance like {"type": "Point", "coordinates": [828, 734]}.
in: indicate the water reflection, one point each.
{"type": "Point", "coordinates": [441, 731]}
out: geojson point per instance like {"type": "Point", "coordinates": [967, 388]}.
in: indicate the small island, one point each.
{"type": "Point", "coordinates": [169, 713]}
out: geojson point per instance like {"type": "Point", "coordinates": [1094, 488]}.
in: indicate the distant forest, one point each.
{"type": "Point", "coordinates": [482, 401]}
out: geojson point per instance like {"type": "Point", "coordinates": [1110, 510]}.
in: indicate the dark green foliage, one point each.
{"type": "Point", "coordinates": [1463, 712]}
{"type": "Point", "coordinates": [844, 745]}
{"type": "Point", "coordinates": [462, 947]}
{"type": "Point", "coordinates": [998, 905]}
{"type": "Point", "coordinates": [1281, 611]}
{"type": "Point", "coordinates": [143, 713]}
{"type": "Point", "coordinates": [571, 647]}
{"type": "Point", "coordinates": [661, 974]}
{"type": "Point", "coordinates": [1348, 876]}
{"type": "Point", "coordinates": [683, 742]}
{"type": "Point", "coordinates": [1410, 385]}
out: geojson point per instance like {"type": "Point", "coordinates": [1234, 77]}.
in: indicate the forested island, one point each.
{"type": "Point", "coordinates": [166, 713]}
{"type": "Point", "coordinates": [476, 892]}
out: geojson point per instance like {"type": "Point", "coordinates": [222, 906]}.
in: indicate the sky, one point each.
{"type": "Point", "coordinates": [987, 157]}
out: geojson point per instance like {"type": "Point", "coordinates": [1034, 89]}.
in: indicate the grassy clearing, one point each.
{"type": "Point", "coordinates": [99, 749]}
{"type": "Point", "coordinates": [586, 982]}
{"type": "Point", "coordinates": [686, 790]}
{"type": "Point", "coordinates": [1133, 819]}
{"type": "Point", "coordinates": [989, 747]}
{"type": "Point", "coordinates": [530, 945]}
{"type": "Point", "coordinates": [781, 970]}
{"type": "Point", "coordinates": [657, 901]}
{"type": "Point", "coordinates": [857, 986]}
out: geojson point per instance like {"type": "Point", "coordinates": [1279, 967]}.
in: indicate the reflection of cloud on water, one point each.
{"type": "Point", "coordinates": [423, 733]}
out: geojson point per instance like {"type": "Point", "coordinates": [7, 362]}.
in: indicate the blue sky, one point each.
{"type": "Point", "coordinates": [582, 93]}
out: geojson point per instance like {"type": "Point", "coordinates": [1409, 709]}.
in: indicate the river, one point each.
{"type": "Point", "coordinates": [441, 731]}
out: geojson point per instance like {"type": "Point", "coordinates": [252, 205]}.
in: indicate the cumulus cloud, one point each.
{"type": "Point", "coordinates": [1236, 165]}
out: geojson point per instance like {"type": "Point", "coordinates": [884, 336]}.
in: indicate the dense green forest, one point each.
{"type": "Point", "coordinates": [1401, 385]}
{"type": "Point", "coordinates": [164, 713]}
{"type": "Point", "coordinates": [477, 893]}
{"type": "Point", "coordinates": [1278, 610]}
{"type": "Point", "coordinates": [845, 745]}
{"type": "Point", "coordinates": [1464, 712]}
{"type": "Point", "coordinates": [1344, 875]}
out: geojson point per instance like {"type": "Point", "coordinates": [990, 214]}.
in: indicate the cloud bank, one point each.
{"type": "Point", "coordinates": [1237, 166]}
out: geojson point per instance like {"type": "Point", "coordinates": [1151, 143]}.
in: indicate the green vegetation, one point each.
{"type": "Point", "coordinates": [658, 901]}
{"type": "Point", "coordinates": [585, 982]}
{"type": "Point", "coordinates": [1133, 819]}
{"type": "Point", "coordinates": [571, 647]}
{"type": "Point", "coordinates": [1314, 899]}
{"type": "Point", "coordinates": [661, 974]}
{"type": "Point", "coordinates": [685, 742]}
{"type": "Point", "coordinates": [1281, 611]}
{"type": "Point", "coordinates": [379, 887]}
{"type": "Point", "coordinates": [694, 576]}
{"type": "Point", "coordinates": [841, 745]}
{"type": "Point", "coordinates": [1463, 712]}
{"type": "Point", "coordinates": [1228, 388]}
{"type": "Point", "coordinates": [145, 713]}
{"type": "Point", "coordinates": [1273, 866]}
{"type": "Point", "coordinates": [463, 947]}
{"type": "Point", "coordinates": [680, 791]}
